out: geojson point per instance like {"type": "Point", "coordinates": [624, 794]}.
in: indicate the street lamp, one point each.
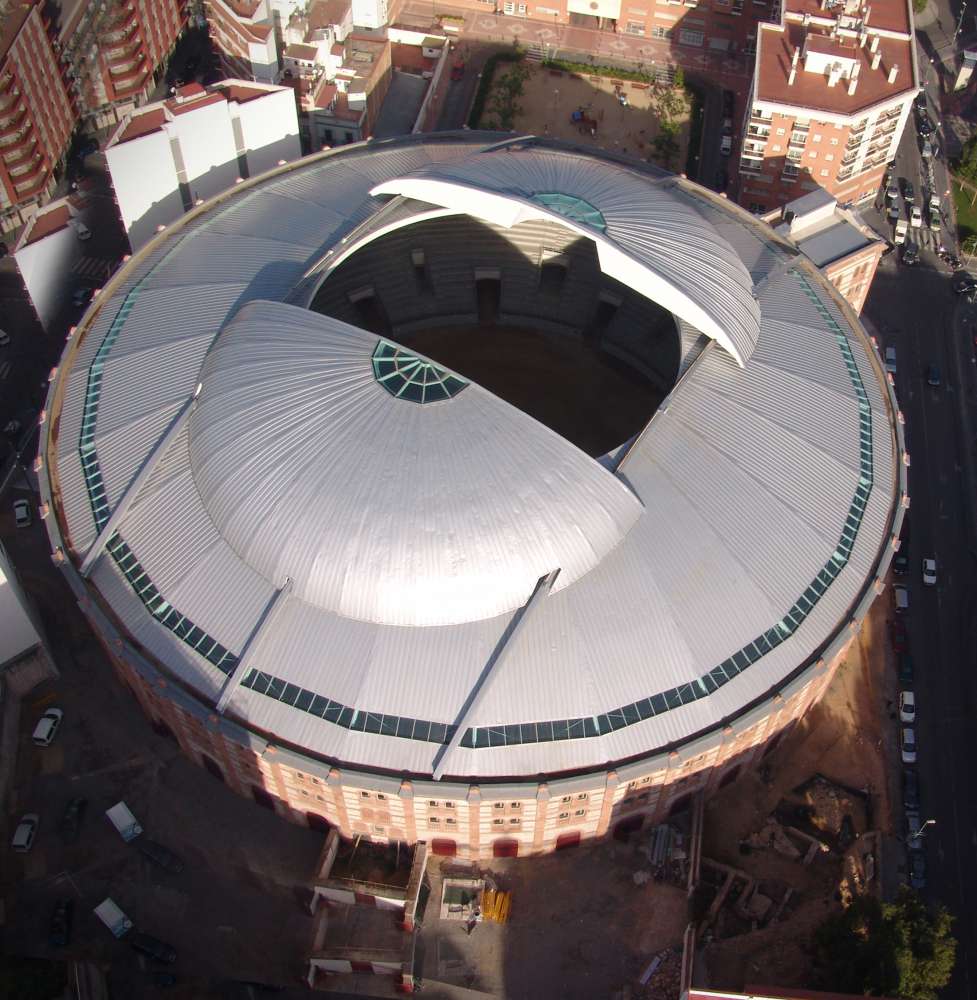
{"type": "Point", "coordinates": [920, 831]}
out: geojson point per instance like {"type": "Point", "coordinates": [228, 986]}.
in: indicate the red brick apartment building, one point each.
{"type": "Point", "coordinates": [37, 115]}
{"type": "Point", "coordinates": [131, 38]}
{"type": "Point", "coordinates": [832, 89]}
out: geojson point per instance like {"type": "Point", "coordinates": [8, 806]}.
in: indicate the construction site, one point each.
{"type": "Point", "coordinates": [726, 893]}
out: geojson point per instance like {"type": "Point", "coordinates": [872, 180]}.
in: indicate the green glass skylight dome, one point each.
{"type": "Point", "coordinates": [407, 376]}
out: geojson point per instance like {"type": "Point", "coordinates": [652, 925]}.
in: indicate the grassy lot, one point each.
{"type": "Point", "coordinates": [966, 213]}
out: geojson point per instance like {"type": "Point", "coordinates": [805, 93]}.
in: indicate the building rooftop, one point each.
{"type": "Point", "coordinates": [324, 13]}
{"type": "Point", "coordinates": [12, 22]}
{"type": "Point", "coordinates": [811, 89]}
{"type": "Point", "coordinates": [307, 53]}
{"type": "Point", "coordinates": [885, 15]}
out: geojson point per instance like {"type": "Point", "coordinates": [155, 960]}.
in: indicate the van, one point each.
{"type": "Point", "coordinates": [47, 727]}
{"type": "Point", "coordinates": [890, 360]}
{"type": "Point", "coordinates": [113, 918]}
{"type": "Point", "coordinates": [120, 816]}
{"type": "Point", "coordinates": [902, 599]}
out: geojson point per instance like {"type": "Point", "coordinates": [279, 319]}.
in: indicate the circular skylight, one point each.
{"type": "Point", "coordinates": [407, 376]}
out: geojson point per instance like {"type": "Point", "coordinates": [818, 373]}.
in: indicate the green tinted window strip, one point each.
{"type": "Point", "coordinates": [406, 376]}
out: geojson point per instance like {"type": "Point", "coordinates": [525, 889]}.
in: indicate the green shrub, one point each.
{"type": "Point", "coordinates": [513, 55]}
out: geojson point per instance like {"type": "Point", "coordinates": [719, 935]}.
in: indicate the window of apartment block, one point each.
{"type": "Point", "coordinates": [824, 173]}
{"type": "Point", "coordinates": [563, 815]}
{"type": "Point", "coordinates": [659, 32]}
{"type": "Point", "coordinates": [635, 28]}
{"type": "Point", "coordinates": [451, 821]}
{"type": "Point", "coordinates": [829, 156]}
{"type": "Point", "coordinates": [776, 148]}
{"type": "Point", "coordinates": [433, 821]}
{"type": "Point", "coordinates": [781, 131]}
{"type": "Point", "coordinates": [582, 796]}
{"type": "Point", "coordinates": [687, 36]}
{"type": "Point", "coordinates": [516, 805]}
{"type": "Point", "coordinates": [818, 137]}
{"type": "Point", "coordinates": [567, 798]}
{"type": "Point", "coordinates": [449, 805]}
{"type": "Point", "coordinates": [364, 795]}
{"type": "Point", "coordinates": [498, 822]}
{"type": "Point", "coordinates": [580, 812]}
{"type": "Point", "coordinates": [432, 803]}
{"type": "Point", "coordinates": [498, 805]}
{"type": "Point", "coordinates": [514, 821]}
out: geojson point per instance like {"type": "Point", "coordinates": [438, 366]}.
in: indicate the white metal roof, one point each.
{"type": "Point", "coordinates": [727, 549]}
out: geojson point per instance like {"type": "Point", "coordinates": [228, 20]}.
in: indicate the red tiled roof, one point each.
{"type": "Point", "coordinates": [143, 124]}
{"type": "Point", "coordinates": [46, 223]}
{"type": "Point", "coordinates": [203, 102]}
{"type": "Point", "coordinates": [337, 50]}
{"type": "Point", "coordinates": [887, 15]}
{"type": "Point", "coordinates": [322, 13]}
{"type": "Point", "coordinates": [325, 95]}
{"type": "Point", "coordinates": [244, 8]}
{"type": "Point", "coordinates": [305, 52]}
{"type": "Point", "coordinates": [775, 49]}
{"type": "Point", "coordinates": [190, 90]}
{"type": "Point", "coordinates": [241, 94]}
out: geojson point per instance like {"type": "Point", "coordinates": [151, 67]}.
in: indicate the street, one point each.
{"type": "Point", "coordinates": [915, 310]}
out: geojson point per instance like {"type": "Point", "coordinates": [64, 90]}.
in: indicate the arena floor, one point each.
{"type": "Point", "coordinates": [583, 395]}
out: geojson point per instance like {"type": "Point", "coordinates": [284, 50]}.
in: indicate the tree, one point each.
{"type": "Point", "coordinates": [919, 5]}
{"type": "Point", "coordinates": [679, 78]}
{"type": "Point", "coordinates": [666, 142]}
{"type": "Point", "coordinates": [967, 167]}
{"type": "Point", "coordinates": [898, 949]}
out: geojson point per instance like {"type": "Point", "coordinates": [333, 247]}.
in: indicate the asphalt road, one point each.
{"type": "Point", "coordinates": [915, 310]}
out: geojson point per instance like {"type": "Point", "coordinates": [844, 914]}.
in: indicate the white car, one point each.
{"type": "Point", "coordinates": [916, 217]}
{"type": "Point", "coordinates": [47, 727]}
{"type": "Point", "coordinates": [929, 572]}
{"type": "Point", "coordinates": [22, 513]}
{"type": "Point", "coordinates": [25, 833]}
{"type": "Point", "coordinates": [907, 707]}
{"type": "Point", "coordinates": [82, 231]}
{"type": "Point", "coordinates": [908, 746]}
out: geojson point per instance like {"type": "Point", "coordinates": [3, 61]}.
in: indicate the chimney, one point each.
{"type": "Point", "coordinates": [862, 39]}
{"type": "Point", "coordinates": [834, 74]}
{"type": "Point", "coordinates": [852, 84]}
{"type": "Point", "coordinates": [876, 59]}
{"type": "Point", "coordinates": [893, 73]}
{"type": "Point", "coordinates": [794, 58]}
{"type": "Point", "coordinates": [791, 77]}
{"type": "Point", "coordinates": [874, 47]}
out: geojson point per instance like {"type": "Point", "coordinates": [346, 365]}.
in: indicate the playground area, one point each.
{"type": "Point", "coordinates": [618, 115]}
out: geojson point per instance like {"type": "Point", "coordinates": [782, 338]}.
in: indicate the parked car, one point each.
{"type": "Point", "coordinates": [70, 825]}
{"type": "Point", "coordinates": [24, 835]}
{"type": "Point", "coordinates": [908, 745]}
{"type": "Point", "coordinates": [910, 254]}
{"type": "Point", "coordinates": [933, 376]}
{"type": "Point", "coordinates": [61, 920]}
{"type": "Point", "coordinates": [726, 146]}
{"type": "Point", "coordinates": [161, 856]}
{"type": "Point", "coordinates": [22, 514]}
{"type": "Point", "coordinates": [902, 228]}
{"type": "Point", "coordinates": [910, 792]}
{"type": "Point", "coordinates": [892, 192]}
{"type": "Point", "coordinates": [923, 125]}
{"type": "Point", "coordinates": [917, 869]}
{"type": "Point", "coordinates": [153, 947]}
{"type": "Point", "coordinates": [929, 572]}
{"type": "Point", "coordinates": [457, 70]}
{"type": "Point", "coordinates": [963, 282]}
{"type": "Point", "coordinates": [12, 428]}
{"type": "Point", "coordinates": [82, 231]}
{"type": "Point", "coordinates": [897, 632]}
{"type": "Point", "coordinates": [893, 211]}
{"type": "Point", "coordinates": [935, 221]}
{"type": "Point", "coordinates": [900, 596]}
{"type": "Point", "coordinates": [890, 360]}
{"type": "Point", "coordinates": [4, 338]}
{"type": "Point", "coordinates": [47, 727]}
{"type": "Point", "coordinates": [908, 191]}
{"type": "Point", "coordinates": [900, 565]}
{"type": "Point", "coordinates": [915, 217]}
{"type": "Point", "coordinates": [907, 707]}
{"type": "Point", "coordinates": [919, 101]}
{"type": "Point", "coordinates": [905, 667]}
{"type": "Point", "coordinates": [82, 295]}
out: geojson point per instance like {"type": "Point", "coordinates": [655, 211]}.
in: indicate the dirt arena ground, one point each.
{"type": "Point", "coordinates": [559, 381]}
{"type": "Point", "coordinates": [551, 96]}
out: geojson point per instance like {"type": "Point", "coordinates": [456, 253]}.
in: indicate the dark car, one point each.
{"type": "Point", "coordinates": [910, 254]}
{"type": "Point", "coordinates": [458, 70]}
{"type": "Point", "coordinates": [153, 947]}
{"type": "Point", "coordinates": [917, 869]}
{"type": "Point", "coordinates": [161, 856]}
{"type": "Point", "coordinates": [905, 669]}
{"type": "Point", "coordinates": [899, 637]}
{"type": "Point", "coordinates": [3, 249]}
{"type": "Point", "coordinates": [722, 179]}
{"type": "Point", "coordinates": [900, 565]}
{"type": "Point", "coordinates": [729, 101]}
{"type": "Point", "coordinates": [190, 67]}
{"type": "Point", "coordinates": [82, 295]}
{"type": "Point", "coordinates": [60, 932]}
{"type": "Point", "coordinates": [933, 376]}
{"type": "Point", "coordinates": [962, 282]}
{"type": "Point", "coordinates": [87, 146]}
{"type": "Point", "coordinates": [923, 124]}
{"type": "Point", "coordinates": [910, 789]}
{"type": "Point", "coordinates": [908, 191]}
{"type": "Point", "coordinates": [70, 825]}
{"type": "Point", "coordinates": [920, 101]}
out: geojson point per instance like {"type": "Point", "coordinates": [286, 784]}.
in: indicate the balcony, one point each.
{"type": "Point", "coordinates": [13, 123]}
{"type": "Point", "coordinates": [19, 154]}
{"type": "Point", "coordinates": [124, 69]}
{"type": "Point", "coordinates": [125, 48]}
{"type": "Point", "coordinates": [758, 132]}
{"type": "Point", "coordinates": [28, 170]}
{"type": "Point", "coordinates": [798, 139]}
{"type": "Point", "coordinates": [31, 187]}
{"type": "Point", "coordinates": [751, 167]}
{"type": "Point", "coordinates": [130, 83]}
{"type": "Point", "coordinates": [761, 116]}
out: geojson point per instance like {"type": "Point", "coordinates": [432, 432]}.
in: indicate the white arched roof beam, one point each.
{"type": "Point", "coordinates": [509, 210]}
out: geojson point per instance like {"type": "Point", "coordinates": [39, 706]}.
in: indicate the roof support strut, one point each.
{"type": "Point", "coordinates": [491, 669]}
{"type": "Point", "coordinates": [135, 485]}
{"type": "Point", "coordinates": [272, 609]}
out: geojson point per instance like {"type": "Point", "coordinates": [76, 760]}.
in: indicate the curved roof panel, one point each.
{"type": "Point", "coordinates": [646, 237]}
{"type": "Point", "coordinates": [459, 505]}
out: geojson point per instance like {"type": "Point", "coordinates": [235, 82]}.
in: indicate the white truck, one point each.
{"type": "Point", "coordinates": [122, 819]}
{"type": "Point", "coordinates": [902, 227]}
{"type": "Point", "coordinates": [113, 918]}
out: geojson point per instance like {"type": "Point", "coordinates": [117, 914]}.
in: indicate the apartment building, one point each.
{"type": "Point", "coordinates": [114, 51]}
{"type": "Point", "coordinates": [835, 239]}
{"type": "Point", "coordinates": [832, 89]}
{"type": "Point", "coordinates": [168, 155]}
{"type": "Point", "coordinates": [37, 115]}
{"type": "Point", "coordinates": [243, 33]}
